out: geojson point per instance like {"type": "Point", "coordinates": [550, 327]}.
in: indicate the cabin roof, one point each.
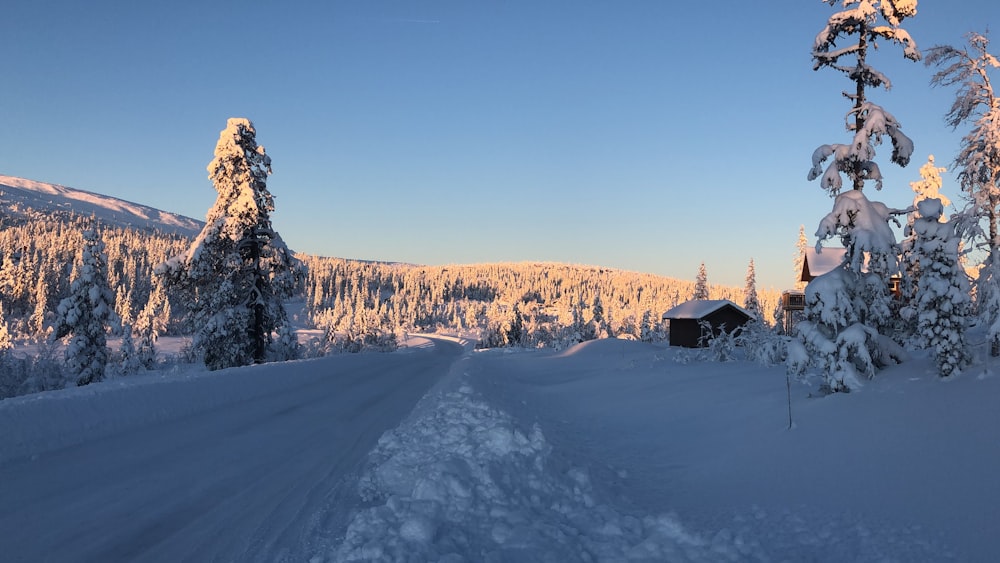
{"type": "Point", "coordinates": [816, 264]}
{"type": "Point", "coordinates": [701, 308]}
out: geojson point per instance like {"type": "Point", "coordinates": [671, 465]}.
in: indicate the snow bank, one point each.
{"type": "Point", "coordinates": [460, 482]}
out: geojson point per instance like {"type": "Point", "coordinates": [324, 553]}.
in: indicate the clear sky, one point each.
{"type": "Point", "coordinates": [643, 135]}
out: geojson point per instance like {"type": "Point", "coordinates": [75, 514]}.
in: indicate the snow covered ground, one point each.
{"type": "Point", "coordinates": [617, 451]}
{"type": "Point", "coordinates": [609, 451]}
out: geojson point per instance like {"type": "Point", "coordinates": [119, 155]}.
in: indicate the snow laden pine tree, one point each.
{"type": "Point", "coordinates": [942, 298]}
{"type": "Point", "coordinates": [847, 308]}
{"type": "Point", "coordinates": [151, 323]}
{"type": "Point", "coordinates": [6, 342]}
{"type": "Point", "coordinates": [870, 21]}
{"type": "Point", "coordinates": [238, 271]}
{"type": "Point", "coordinates": [750, 300]}
{"type": "Point", "coordinates": [928, 187]}
{"type": "Point", "coordinates": [800, 258]}
{"type": "Point", "coordinates": [978, 161]}
{"type": "Point", "coordinates": [701, 283]}
{"type": "Point", "coordinates": [87, 314]}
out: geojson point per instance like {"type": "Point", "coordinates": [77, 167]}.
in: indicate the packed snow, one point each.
{"type": "Point", "coordinates": [609, 451]}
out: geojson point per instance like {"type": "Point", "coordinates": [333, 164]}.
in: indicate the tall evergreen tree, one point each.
{"type": "Point", "coordinates": [237, 272]}
{"type": "Point", "coordinates": [942, 297]}
{"type": "Point", "coordinates": [36, 323]}
{"type": "Point", "coordinates": [750, 301]}
{"type": "Point", "coordinates": [646, 326]}
{"type": "Point", "coordinates": [978, 160]}
{"type": "Point", "coordinates": [928, 187]}
{"type": "Point", "coordinates": [6, 342]}
{"type": "Point", "coordinates": [847, 308]}
{"type": "Point", "coordinates": [800, 257]}
{"type": "Point", "coordinates": [87, 314]}
{"type": "Point", "coordinates": [701, 283]}
{"type": "Point", "coordinates": [870, 21]}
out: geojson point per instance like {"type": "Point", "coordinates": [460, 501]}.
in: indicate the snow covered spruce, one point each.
{"type": "Point", "coordinates": [87, 314]}
{"type": "Point", "coordinates": [942, 299]}
{"type": "Point", "coordinates": [978, 161]}
{"type": "Point", "coordinates": [848, 309]}
{"type": "Point", "coordinates": [238, 271]}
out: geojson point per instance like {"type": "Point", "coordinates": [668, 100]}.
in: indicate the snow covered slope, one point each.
{"type": "Point", "coordinates": [17, 194]}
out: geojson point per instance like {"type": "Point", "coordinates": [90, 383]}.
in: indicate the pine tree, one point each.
{"type": "Point", "coordinates": [870, 122]}
{"type": "Point", "coordinates": [849, 307]}
{"type": "Point", "coordinates": [928, 187]}
{"type": "Point", "coordinates": [37, 322]}
{"type": "Point", "coordinates": [800, 257]}
{"type": "Point", "coordinates": [238, 271]}
{"type": "Point", "coordinates": [129, 360]}
{"type": "Point", "coordinates": [87, 314]}
{"type": "Point", "coordinates": [6, 342]}
{"type": "Point", "coordinates": [646, 326]}
{"type": "Point", "coordinates": [597, 315]}
{"type": "Point", "coordinates": [978, 160]}
{"type": "Point", "coordinates": [701, 283]}
{"type": "Point", "coordinates": [155, 315]}
{"type": "Point", "coordinates": [516, 334]}
{"type": "Point", "coordinates": [750, 301]}
{"type": "Point", "coordinates": [942, 297]}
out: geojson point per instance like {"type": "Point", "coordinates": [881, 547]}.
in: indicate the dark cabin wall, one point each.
{"type": "Point", "coordinates": [728, 316]}
{"type": "Point", "coordinates": [684, 332]}
{"type": "Point", "coordinates": [687, 332]}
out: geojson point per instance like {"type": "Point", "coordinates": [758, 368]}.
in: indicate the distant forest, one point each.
{"type": "Point", "coordinates": [357, 304]}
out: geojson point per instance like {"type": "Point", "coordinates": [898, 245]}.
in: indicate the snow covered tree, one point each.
{"type": "Point", "coordinates": [848, 308]}
{"type": "Point", "coordinates": [942, 299]}
{"type": "Point", "coordinates": [6, 342]}
{"type": "Point", "coordinates": [646, 326]}
{"type": "Point", "coordinates": [37, 322]}
{"type": "Point", "coordinates": [238, 271]}
{"type": "Point", "coordinates": [151, 323]}
{"type": "Point", "coordinates": [701, 283]}
{"type": "Point", "coordinates": [800, 257]}
{"type": "Point", "coordinates": [129, 360]}
{"type": "Point", "coordinates": [868, 121]}
{"type": "Point", "coordinates": [978, 160]}
{"type": "Point", "coordinates": [750, 301]}
{"type": "Point", "coordinates": [598, 327]}
{"type": "Point", "coordinates": [928, 187]}
{"type": "Point", "coordinates": [87, 314]}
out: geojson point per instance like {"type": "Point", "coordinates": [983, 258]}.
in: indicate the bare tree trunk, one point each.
{"type": "Point", "coordinates": [859, 98]}
{"type": "Point", "coordinates": [257, 330]}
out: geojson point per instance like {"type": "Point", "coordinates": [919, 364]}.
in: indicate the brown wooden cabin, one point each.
{"type": "Point", "coordinates": [685, 320]}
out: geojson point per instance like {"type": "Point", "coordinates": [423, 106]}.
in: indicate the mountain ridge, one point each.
{"type": "Point", "coordinates": [17, 193]}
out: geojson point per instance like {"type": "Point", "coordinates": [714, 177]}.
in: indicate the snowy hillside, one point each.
{"type": "Point", "coordinates": [18, 194]}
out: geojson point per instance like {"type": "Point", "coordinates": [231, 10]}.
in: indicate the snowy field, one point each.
{"type": "Point", "coordinates": [610, 451]}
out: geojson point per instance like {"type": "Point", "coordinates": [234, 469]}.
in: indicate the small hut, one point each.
{"type": "Point", "coordinates": [686, 318]}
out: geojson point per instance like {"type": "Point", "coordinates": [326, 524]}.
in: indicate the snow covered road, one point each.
{"type": "Point", "coordinates": [205, 467]}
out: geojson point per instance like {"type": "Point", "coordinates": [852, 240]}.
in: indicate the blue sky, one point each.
{"type": "Point", "coordinates": [643, 135]}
